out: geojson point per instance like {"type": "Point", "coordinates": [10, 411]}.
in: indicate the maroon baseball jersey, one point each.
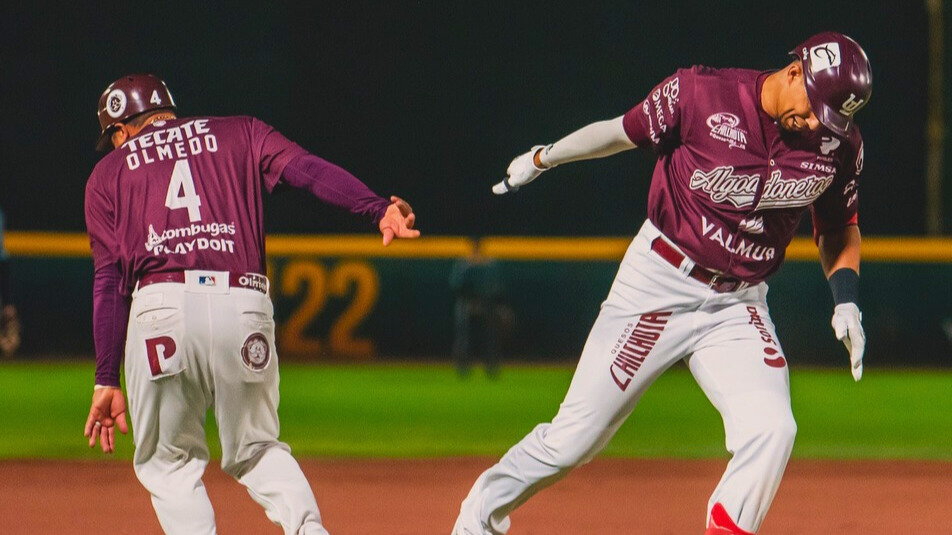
{"type": "Point", "coordinates": [730, 185]}
{"type": "Point", "coordinates": [185, 194]}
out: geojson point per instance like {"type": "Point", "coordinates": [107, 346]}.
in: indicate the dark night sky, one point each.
{"type": "Point", "coordinates": [430, 100]}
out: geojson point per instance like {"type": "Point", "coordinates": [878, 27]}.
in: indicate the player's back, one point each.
{"type": "Point", "coordinates": [186, 194]}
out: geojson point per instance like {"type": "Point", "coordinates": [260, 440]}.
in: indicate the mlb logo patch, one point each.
{"type": "Point", "coordinates": [206, 280]}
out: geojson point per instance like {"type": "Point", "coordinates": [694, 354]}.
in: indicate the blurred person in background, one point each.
{"type": "Point", "coordinates": [481, 316]}
{"type": "Point", "coordinates": [9, 320]}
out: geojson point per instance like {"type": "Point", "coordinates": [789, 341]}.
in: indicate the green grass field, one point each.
{"type": "Point", "coordinates": [388, 410]}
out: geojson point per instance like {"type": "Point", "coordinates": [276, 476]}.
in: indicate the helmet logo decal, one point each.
{"type": "Point", "coordinates": [824, 56]}
{"type": "Point", "coordinates": [116, 103]}
{"type": "Point", "coordinates": [156, 99]}
{"type": "Point", "coordinates": [851, 105]}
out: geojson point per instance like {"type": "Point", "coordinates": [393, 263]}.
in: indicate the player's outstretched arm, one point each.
{"type": "Point", "coordinates": [334, 185]}
{"type": "Point", "coordinates": [840, 257]}
{"type": "Point", "coordinates": [106, 412]}
{"type": "Point", "coordinates": [597, 140]}
{"type": "Point", "coordinates": [398, 221]}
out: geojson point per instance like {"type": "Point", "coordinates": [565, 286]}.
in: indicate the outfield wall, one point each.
{"type": "Point", "coordinates": [348, 298]}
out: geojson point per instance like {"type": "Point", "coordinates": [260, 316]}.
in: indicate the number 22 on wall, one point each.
{"type": "Point", "coordinates": [315, 283]}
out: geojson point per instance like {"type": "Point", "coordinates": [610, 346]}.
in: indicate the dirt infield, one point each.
{"type": "Point", "coordinates": [421, 497]}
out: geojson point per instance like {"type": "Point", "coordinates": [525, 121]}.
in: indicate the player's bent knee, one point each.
{"type": "Point", "coordinates": [572, 458]}
{"type": "Point", "coordinates": [770, 426]}
{"type": "Point", "coordinates": [782, 428]}
{"type": "Point", "coordinates": [787, 429]}
{"type": "Point", "coordinates": [778, 434]}
{"type": "Point", "coordinates": [566, 450]}
{"type": "Point", "coordinates": [238, 465]}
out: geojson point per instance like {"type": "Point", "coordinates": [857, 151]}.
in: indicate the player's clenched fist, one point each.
{"type": "Point", "coordinates": [398, 221]}
{"type": "Point", "coordinates": [523, 169]}
{"type": "Point", "coordinates": [848, 329]}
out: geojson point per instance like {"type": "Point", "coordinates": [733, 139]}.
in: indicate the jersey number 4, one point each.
{"type": "Point", "coordinates": [181, 192]}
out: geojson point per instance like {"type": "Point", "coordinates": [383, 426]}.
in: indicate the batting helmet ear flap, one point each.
{"type": "Point", "coordinates": [104, 142]}
{"type": "Point", "coordinates": [127, 97]}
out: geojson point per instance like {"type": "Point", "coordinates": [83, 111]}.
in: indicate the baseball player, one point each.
{"type": "Point", "coordinates": [9, 320]}
{"type": "Point", "coordinates": [741, 155]}
{"type": "Point", "coordinates": [479, 314]}
{"type": "Point", "coordinates": [174, 214]}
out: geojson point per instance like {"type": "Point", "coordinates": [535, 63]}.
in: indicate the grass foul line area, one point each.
{"type": "Point", "coordinates": [381, 410]}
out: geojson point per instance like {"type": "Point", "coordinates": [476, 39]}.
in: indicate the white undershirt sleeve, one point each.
{"type": "Point", "coordinates": [597, 140]}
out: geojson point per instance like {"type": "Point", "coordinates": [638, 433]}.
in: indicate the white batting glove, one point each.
{"type": "Point", "coordinates": [521, 171]}
{"type": "Point", "coordinates": [848, 329]}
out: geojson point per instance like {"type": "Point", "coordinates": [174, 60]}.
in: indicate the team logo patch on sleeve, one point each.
{"type": "Point", "coordinates": [256, 352]}
{"type": "Point", "coordinates": [829, 144]}
{"type": "Point", "coordinates": [726, 127]}
{"type": "Point", "coordinates": [859, 160]}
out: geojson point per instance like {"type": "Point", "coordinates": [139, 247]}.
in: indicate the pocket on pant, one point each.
{"type": "Point", "coordinates": [160, 328]}
{"type": "Point", "coordinates": [256, 328]}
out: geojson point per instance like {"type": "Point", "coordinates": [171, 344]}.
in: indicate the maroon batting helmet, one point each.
{"type": "Point", "coordinates": [838, 78]}
{"type": "Point", "coordinates": [127, 97]}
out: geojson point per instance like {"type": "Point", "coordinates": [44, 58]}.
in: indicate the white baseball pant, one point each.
{"type": "Point", "coordinates": [184, 354]}
{"type": "Point", "coordinates": [656, 315]}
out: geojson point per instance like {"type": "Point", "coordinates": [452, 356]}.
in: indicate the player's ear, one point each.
{"type": "Point", "coordinates": [119, 134]}
{"type": "Point", "coordinates": [794, 71]}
